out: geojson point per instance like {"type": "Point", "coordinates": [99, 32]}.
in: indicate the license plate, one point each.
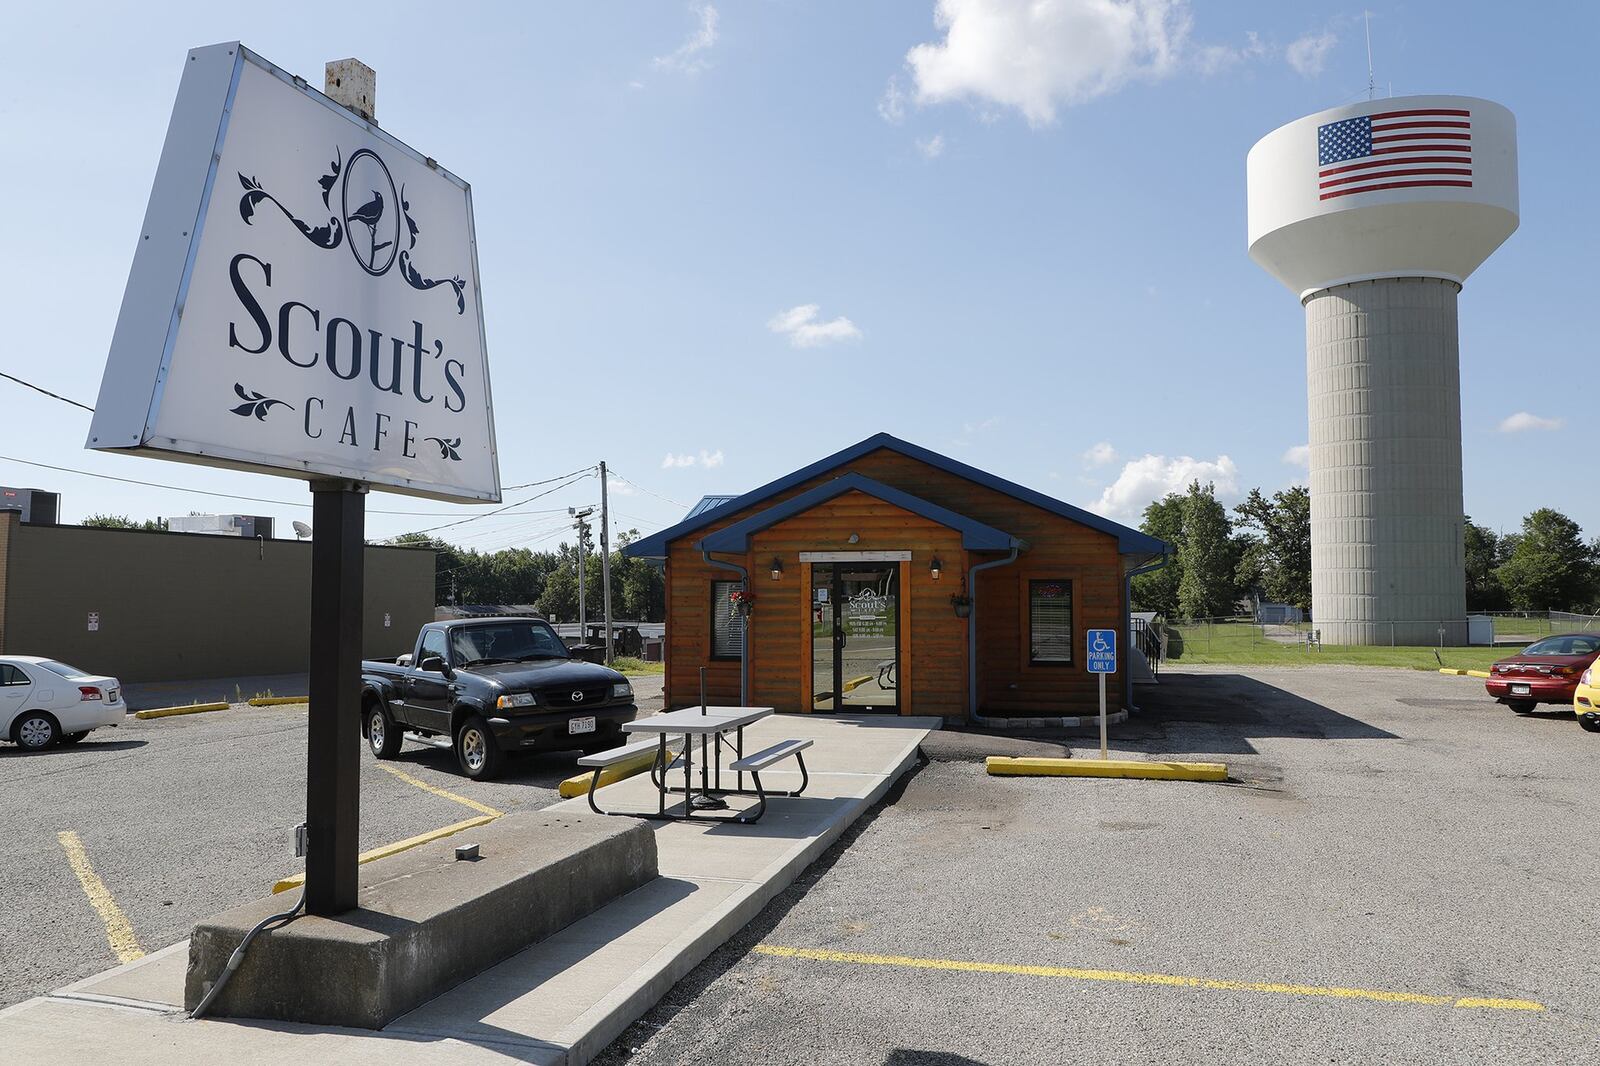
{"type": "Point", "coordinates": [1519, 690]}
{"type": "Point", "coordinates": [111, 696]}
{"type": "Point", "coordinates": [581, 725]}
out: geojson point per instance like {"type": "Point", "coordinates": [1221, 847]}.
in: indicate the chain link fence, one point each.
{"type": "Point", "coordinates": [1168, 639]}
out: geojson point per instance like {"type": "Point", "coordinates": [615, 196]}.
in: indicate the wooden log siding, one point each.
{"type": "Point", "coordinates": [1057, 548]}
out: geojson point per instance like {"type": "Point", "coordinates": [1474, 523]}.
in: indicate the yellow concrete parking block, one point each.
{"type": "Point", "coordinates": [1003, 765]}
{"type": "Point", "coordinates": [1465, 673]}
{"type": "Point", "coordinates": [277, 701]}
{"type": "Point", "coordinates": [1174, 980]}
{"type": "Point", "coordinates": [397, 847]}
{"type": "Point", "coordinates": [168, 712]}
{"type": "Point", "coordinates": [578, 784]}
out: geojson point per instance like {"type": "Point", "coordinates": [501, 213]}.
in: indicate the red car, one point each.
{"type": "Point", "coordinates": [1544, 672]}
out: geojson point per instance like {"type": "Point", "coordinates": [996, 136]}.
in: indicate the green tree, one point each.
{"type": "Point", "coordinates": [1210, 555]}
{"type": "Point", "coordinates": [1486, 552]}
{"type": "Point", "coordinates": [1550, 567]}
{"type": "Point", "coordinates": [1275, 555]}
{"type": "Point", "coordinates": [122, 521]}
{"type": "Point", "coordinates": [1158, 590]}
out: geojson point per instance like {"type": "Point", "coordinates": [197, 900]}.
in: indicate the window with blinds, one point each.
{"type": "Point", "coordinates": [727, 625]}
{"type": "Point", "coordinates": [1050, 621]}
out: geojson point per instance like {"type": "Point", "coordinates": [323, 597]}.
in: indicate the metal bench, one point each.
{"type": "Point", "coordinates": [602, 760]}
{"type": "Point", "coordinates": [761, 760]}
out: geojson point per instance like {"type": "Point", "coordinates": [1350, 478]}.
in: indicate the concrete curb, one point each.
{"type": "Point", "coordinates": [168, 712]}
{"type": "Point", "coordinates": [276, 701]}
{"type": "Point", "coordinates": [296, 880]}
{"type": "Point", "coordinates": [578, 784]}
{"type": "Point", "coordinates": [1005, 765]}
{"type": "Point", "coordinates": [609, 1018]}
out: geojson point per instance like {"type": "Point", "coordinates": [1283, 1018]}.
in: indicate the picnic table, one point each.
{"type": "Point", "coordinates": [712, 726]}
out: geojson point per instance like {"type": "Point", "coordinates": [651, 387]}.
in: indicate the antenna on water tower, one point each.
{"type": "Point", "coordinates": [1371, 86]}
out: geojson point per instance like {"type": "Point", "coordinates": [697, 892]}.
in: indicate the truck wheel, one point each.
{"type": "Point", "coordinates": [1591, 724]}
{"type": "Point", "coordinates": [477, 750]}
{"type": "Point", "coordinates": [382, 736]}
{"type": "Point", "coordinates": [1522, 706]}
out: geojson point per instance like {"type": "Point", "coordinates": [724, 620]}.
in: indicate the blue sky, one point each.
{"type": "Point", "coordinates": [719, 241]}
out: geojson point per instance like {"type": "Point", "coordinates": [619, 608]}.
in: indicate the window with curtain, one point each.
{"type": "Point", "coordinates": [727, 625]}
{"type": "Point", "coordinates": [1050, 621]}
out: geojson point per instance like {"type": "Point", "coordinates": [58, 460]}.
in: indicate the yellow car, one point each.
{"type": "Point", "coordinates": [1586, 701]}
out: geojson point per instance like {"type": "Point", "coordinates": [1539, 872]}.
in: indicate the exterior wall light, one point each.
{"type": "Point", "coordinates": [934, 568]}
{"type": "Point", "coordinates": [777, 568]}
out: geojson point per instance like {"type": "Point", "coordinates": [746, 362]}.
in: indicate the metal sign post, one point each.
{"type": "Point", "coordinates": [1102, 660]}
{"type": "Point", "coordinates": [333, 728]}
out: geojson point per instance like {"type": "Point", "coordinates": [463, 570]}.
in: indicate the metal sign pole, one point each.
{"type": "Point", "coordinates": [333, 741]}
{"type": "Point", "coordinates": [1102, 716]}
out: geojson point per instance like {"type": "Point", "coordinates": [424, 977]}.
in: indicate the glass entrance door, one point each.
{"type": "Point", "coordinates": [855, 636]}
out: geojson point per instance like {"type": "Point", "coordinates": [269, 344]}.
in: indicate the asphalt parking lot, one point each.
{"type": "Point", "coordinates": [179, 818]}
{"type": "Point", "coordinates": [1401, 872]}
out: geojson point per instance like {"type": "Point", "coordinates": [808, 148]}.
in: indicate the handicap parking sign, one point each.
{"type": "Point", "coordinates": [1102, 651]}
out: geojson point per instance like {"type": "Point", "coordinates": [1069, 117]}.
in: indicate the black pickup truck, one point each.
{"type": "Point", "coordinates": [488, 686]}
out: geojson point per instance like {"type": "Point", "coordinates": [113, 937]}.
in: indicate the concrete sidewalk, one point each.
{"type": "Point", "coordinates": [560, 1001]}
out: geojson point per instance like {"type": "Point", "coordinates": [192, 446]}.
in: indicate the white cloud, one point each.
{"type": "Point", "coordinates": [972, 429]}
{"type": "Point", "coordinates": [931, 147]}
{"type": "Point", "coordinates": [708, 460]}
{"type": "Point", "coordinates": [1102, 454]}
{"type": "Point", "coordinates": [690, 56]}
{"type": "Point", "coordinates": [1035, 55]}
{"type": "Point", "coordinates": [801, 325]}
{"type": "Point", "coordinates": [892, 104]}
{"type": "Point", "coordinates": [1215, 58]}
{"type": "Point", "coordinates": [1299, 455]}
{"type": "Point", "coordinates": [1153, 476]}
{"type": "Point", "coordinates": [1308, 53]}
{"type": "Point", "coordinates": [1522, 421]}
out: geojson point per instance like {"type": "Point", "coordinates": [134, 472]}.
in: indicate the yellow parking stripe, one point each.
{"type": "Point", "coordinates": [464, 801]}
{"type": "Point", "coordinates": [119, 934]}
{"type": "Point", "coordinates": [818, 955]}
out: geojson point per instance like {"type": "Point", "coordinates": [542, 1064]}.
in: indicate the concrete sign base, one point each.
{"type": "Point", "coordinates": [426, 921]}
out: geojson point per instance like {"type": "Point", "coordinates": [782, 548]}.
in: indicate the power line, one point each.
{"type": "Point", "coordinates": [641, 488]}
{"type": "Point", "coordinates": [498, 510]}
{"type": "Point", "coordinates": [47, 392]}
{"type": "Point", "coordinates": [261, 499]}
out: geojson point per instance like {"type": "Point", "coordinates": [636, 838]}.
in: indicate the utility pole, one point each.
{"type": "Point", "coordinates": [583, 549]}
{"type": "Point", "coordinates": [605, 559]}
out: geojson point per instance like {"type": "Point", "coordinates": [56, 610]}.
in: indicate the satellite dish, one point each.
{"type": "Point", "coordinates": [301, 530]}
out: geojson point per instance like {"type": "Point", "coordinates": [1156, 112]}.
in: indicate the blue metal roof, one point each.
{"type": "Point", "coordinates": [1129, 541]}
{"type": "Point", "coordinates": [708, 503]}
{"type": "Point", "coordinates": [975, 536]}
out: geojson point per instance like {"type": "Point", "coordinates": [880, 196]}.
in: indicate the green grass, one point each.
{"type": "Point", "coordinates": [637, 667]}
{"type": "Point", "coordinates": [1241, 644]}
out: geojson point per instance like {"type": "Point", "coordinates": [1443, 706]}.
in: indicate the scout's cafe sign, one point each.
{"type": "Point", "coordinates": [304, 298]}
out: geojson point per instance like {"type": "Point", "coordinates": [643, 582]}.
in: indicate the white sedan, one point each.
{"type": "Point", "coordinates": [45, 702]}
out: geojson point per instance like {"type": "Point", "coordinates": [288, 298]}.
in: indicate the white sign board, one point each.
{"type": "Point", "coordinates": [304, 298]}
{"type": "Point", "coordinates": [94, 621]}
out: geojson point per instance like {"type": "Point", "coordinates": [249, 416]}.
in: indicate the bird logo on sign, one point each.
{"type": "Point", "coordinates": [370, 212]}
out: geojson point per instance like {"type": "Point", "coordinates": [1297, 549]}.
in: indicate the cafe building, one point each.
{"type": "Point", "coordinates": [889, 578]}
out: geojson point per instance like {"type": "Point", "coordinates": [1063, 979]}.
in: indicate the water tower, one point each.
{"type": "Point", "coordinates": [1373, 215]}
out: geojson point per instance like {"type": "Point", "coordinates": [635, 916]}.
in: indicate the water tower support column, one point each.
{"type": "Point", "coordinates": [1384, 384]}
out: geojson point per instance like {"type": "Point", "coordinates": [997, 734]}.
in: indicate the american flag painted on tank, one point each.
{"type": "Point", "coordinates": [1412, 149]}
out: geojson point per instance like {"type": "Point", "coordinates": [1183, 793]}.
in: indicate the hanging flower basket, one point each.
{"type": "Point", "coordinates": [742, 600]}
{"type": "Point", "coordinates": [962, 603]}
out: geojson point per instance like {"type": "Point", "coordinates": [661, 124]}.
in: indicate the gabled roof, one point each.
{"type": "Point", "coordinates": [975, 536]}
{"type": "Point", "coordinates": [1129, 541]}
